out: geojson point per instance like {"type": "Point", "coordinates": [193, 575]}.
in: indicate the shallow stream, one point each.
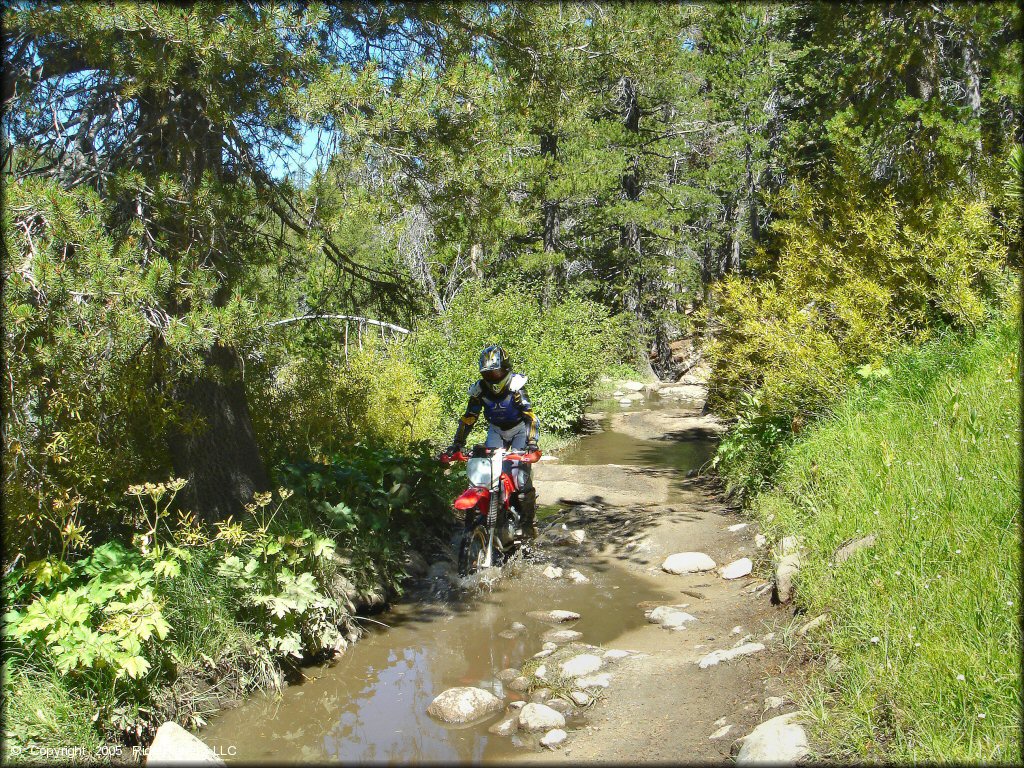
{"type": "Point", "coordinates": [370, 704]}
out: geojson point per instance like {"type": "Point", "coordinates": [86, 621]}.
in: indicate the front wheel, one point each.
{"type": "Point", "coordinates": [473, 550]}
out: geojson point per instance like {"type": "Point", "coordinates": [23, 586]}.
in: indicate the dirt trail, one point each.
{"type": "Point", "coordinates": [662, 706]}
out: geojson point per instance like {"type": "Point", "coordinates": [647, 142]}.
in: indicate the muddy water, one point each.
{"type": "Point", "coordinates": [370, 705]}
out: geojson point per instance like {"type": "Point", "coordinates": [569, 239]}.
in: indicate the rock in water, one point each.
{"type": "Point", "coordinates": [553, 738]}
{"type": "Point", "coordinates": [173, 745]}
{"type": "Point", "coordinates": [633, 386]}
{"type": "Point", "coordinates": [670, 616]}
{"type": "Point", "coordinates": [584, 664]}
{"type": "Point", "coordinates": [507, 675]}
{"type": "Point", "coordinates": [561, 636]}
{"type": "Point", "coordinates": [540, 717]}
{"type": "Point", "coordinates": [552, 572]}
{"type": "Point", "coordinates": [779, 741]}
{"type": "Point", "coordinates": [464, 705]}
{"type": "Point", "coordinates": [715, 657]}
{"type": "Point", "coordinates": [737, 569]}
{"type": "Point", "coordinates": [576, 577]}
{"type": "Point", "coordinates": [506, 726]}
{"type": "Point", "coordinates": [688, 562]}
{"type": "Point", "coordinates": [553, 617]}
{"type": "Point", "coordinates": [519, 683]}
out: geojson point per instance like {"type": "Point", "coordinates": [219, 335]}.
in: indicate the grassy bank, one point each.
{"type": "Point", "coordinates": [923, 635]}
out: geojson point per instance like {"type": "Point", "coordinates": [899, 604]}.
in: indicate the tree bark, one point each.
{"type": "Point", "coordinates": [214, 447]}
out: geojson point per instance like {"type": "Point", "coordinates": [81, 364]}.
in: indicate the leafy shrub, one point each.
{"type": "Point", "coordinates": [561, 349]}
{"type": "Point", "coordinates": [318, 403]}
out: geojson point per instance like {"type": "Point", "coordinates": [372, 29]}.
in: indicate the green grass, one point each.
{"type": "Point", "coordinates": [926, 622]}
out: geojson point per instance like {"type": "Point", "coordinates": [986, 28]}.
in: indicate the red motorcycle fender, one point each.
{"type": "Point", "coordinates": [471, 497]}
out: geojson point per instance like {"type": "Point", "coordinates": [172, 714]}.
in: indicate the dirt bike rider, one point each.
{"type": "Point", "coordinates": [501, 395]}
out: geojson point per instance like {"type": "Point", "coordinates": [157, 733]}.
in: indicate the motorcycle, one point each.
{"type": "Point", "coordinates": [492, 518]}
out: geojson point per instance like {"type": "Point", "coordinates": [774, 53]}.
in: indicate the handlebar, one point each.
{"type": "Point", "coordinates": [526, 458]}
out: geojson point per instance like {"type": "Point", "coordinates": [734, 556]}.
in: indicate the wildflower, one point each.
{"type": "Point", "coordinates": [876, 639]}
{"type": "Point", "coordinates": [981, 715]}
{"type": "Point", "coordinates": [958, 552]}
{"type": "Point", "coordinates": [917, 645]}
{"type": "Point", "coordinates": [961, 678]}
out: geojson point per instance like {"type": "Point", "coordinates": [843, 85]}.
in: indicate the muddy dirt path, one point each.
{"type": "Point", "coordinates": [626, 487]}
{"type": "Point", "coordinates": [663, 707]}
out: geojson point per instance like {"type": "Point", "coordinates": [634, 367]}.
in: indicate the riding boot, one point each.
{"type": "Point", "coordinates": [528, 510]}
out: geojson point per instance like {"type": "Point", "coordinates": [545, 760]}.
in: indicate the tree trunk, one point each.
{"type": "Point", "coordinates": [215, 449]}
{"type": "Point", "coordinates": [973, 86]}
{"type": "Point", "coordinates": [549, 151]}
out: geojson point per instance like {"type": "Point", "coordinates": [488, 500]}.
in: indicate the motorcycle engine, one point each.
{"type": "Point", "coordinates": [508, 530]}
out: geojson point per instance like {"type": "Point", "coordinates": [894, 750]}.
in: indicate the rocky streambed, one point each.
{"type": "Point", "coordinates": [635, 629]}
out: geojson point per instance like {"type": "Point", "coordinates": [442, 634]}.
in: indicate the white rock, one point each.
{"type": "Point", "coordinates": [736, 630]}
{"type": "Point", "coordinates": [576, 576]}
{"type": "Point", "coordinates": [720, 721]}
{"type": "Point", "coordinates": [625, 401]}
{"type": "Point", "coordinates": [173, 745]}
{"type": "Point", "coordinates": [720, 732]}
{"type": "Point", "coordinates": [785, 573]}
{"type": "Point", "coordinates": [670, 617]}
{"type": "Point", "coordinates": [738, 527]}
{"type": "Point", "coordinates": [737, 569]}
{"type": "Point", "coordinates": [553, 738]}
{"type": "Point", "coordinates": [552, 572]}
{"type": "Point", "coordinates": [580, 698]}
{"type": "Point", "coordinates": [618, 393]}
{"type": "Point", "coordinates": [540, 717]}
{"type": "Point", "coordinates": [789, 545]}
{"type": "Point", "coordinates": [561, 636]}
{"type": "Point", "coordinates": [506, 726]}
{"type": "Point", "coordinates": [584, 664]}
{"type": "Point", "coordinates": [516, 705]}
{"type": "Point", "coordinates": [773, 702]}
{"type": "Point", "coordinates": [715, 657]}
{"type": "Point", "coordinates": [519, 683]}
{"type": "Point", "coordinates": [464, 705]}
{"type": "Point", "coordinates": [542, 654]}
{"type": "Point", "coordinates": [600, 680]}
{"type": "Point", "coordinates": [636, 396]}
{"type": "Point", "coordinates": [633, 386]}
{"type": "Point", "coordinates": [541, 672]}
{"type": "Point", "coordinates": [688, 562]}
{"type": "Point", "coordinates": [780, 741]}
{"type": "Point", "coordinates": [614, 654]}
{"type": "Point", "coordinates": [760, 540]}
{"type": "Point", "coordinates": [549, 646]}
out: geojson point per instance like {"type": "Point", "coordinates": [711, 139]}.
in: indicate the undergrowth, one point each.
{"type": "Point", "coordinates": [925, 624]}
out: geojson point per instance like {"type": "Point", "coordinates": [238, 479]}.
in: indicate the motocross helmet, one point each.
{"type": "Point", "coordinates": [495, 368]}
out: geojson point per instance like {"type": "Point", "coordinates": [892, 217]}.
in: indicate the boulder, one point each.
{"type": "Point", "coordinates": [670, 616]}
{"type": "Point", "coordinates": [507, 675]}
{"type": "Point", "coordinates": [785, 574]}
{"type": "Point", "coordinates": [506, 726]}
{"type": "Point", "coordinates": [760, 540]}
{"type": "Point", "coordinates": [625, 401]}
{"type": "Point", "coordinates": [173, 745]}
{"type": "Point", "coordinates": [519, 683]}
{"type": "Point", "coordinates": [515, 706]}
{"type": "Point", "coordinates": [560, 705]}
{"type": "Point", "coordinates": [846, 551]}
{"type": "Point", "coordinates": [553, 617]}
{"type": "Point", "coordinates": [633, 386]}
{"type": "Point", "coordinates": [549, 646]}
{"type": "Point", "coordinates": [737, 569]}
{"type": "Point", "coordinates": [553, 738]}
{"type": "Point", "coordinates": [687, 562]}
{"type": "Point", "coordinates": [541, 672]}
{"type": "Point", "coordinates": [542, 654]}
{"type": "Point", "coordinates": [561, 636]}
{"type": "Point", "coordinates": [779, 741]}
{"type": "Point", "coordinates": [552, 572]}
{"type": "Point", "coordinates": [584, 664]}
{"type": "Point", "coordinates": [464, 705]}
{"type": "Point", "coordinates": [540, 696]}
{"type": "Point", "coordinates": [540, 717]}
{"type": "Point", "coordinates": [715, 657]}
